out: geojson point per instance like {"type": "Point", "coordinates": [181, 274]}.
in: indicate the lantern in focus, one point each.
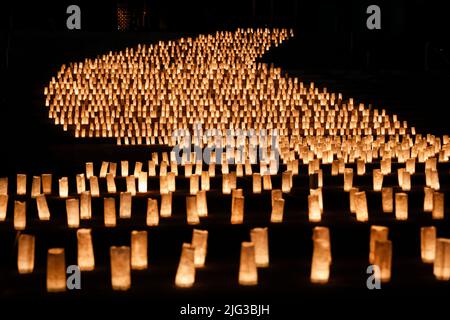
{"type": "Point", "coordinates": [86, 260]}
{"type": "Point", "coordinates": [185, 276]}
{"type": "Point", "coordinates": [348, 179]}
{"type": "Point", "coordinates": [63, 187]}
{"type": "Point", "coordinates": [25, 255]}
{"type": "Point", "coordinates": [3, 206]}
{"type": "Point", "coordinates": [56, 270]}
{"type": "Point", "coordinates": [320, 266]}
{"type": "Point", "coordinates": [237, 210]}
{"type": "Point", "coordinates": [125, 205]}
{"type": "Point", "coordinates": [202, 205]}
{"type": "Point", "coordinates": [120, 268]}
{"type": "Point", "coordinates": [166, 205]}
{"type": "Point", "coordinates": [42, 207]}
{"type": "Point", "coordinates": [20, 217]}
{"type": "Point", "coordinates": [21, 184]}
{"type": "Point", "coordinates": [200, 242]}
{"type": "Point", "coordinates": [139, 248]}
{"type": "Point", "coordinates": [73, 213]}
{"type": "Point", "coordinates": [248, 274]}
{"type": "Point", "coordinates": [401, 206]}
{"type": "Point", "coordinates": [314, 208]}
{"type": "Point", "coordinates": [428, 199]}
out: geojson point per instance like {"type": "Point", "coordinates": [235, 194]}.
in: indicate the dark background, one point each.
{"type": "Point", "coordinates": [403, 67]}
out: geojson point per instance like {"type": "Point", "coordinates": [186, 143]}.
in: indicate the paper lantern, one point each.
{"type": "Point", "coordinates": [205, 183]}
{"type": "Point", "coordinates": [400, 176]}
{"type": "Point", "coordinates": [387, 199]}
{"type": "Point", "coordinates": [237, 211]}
{"type": "Point", "coordinates": [110, 183]}
{"type": "Point", "coordinates": [124, 168]}
{"type": "Point", "coordinates": [120, 268]}
{"type": "Point", "coordinates": [21, 184]}
{"type": "Point", "coordinates": [256, 177]}
{"type": "Point", "coordinates": [89, 169]}
{"type": "Point", "coordinates": [428, 244]}
{"type": "Point", "coordinates": [314, 208]}
{"type": "Point", "coordinates": [411, 165]}
{"type": "Point", "coordinates": [25, 255]}
{"type": "Point", "coordinates": [377, 233]}
{"type": "Point", "coordinates": [352, 199]}
{"type": "Point", "coordinates": [200, 243]}
{"type": "Point", "coordinates": [385, 165]}
{"type": "Point", "coordinates": [81, 183]}
{"type": "Point", "coordinates": [85, 257]}
{"type": "Point", "coordinates": [85, 205]}
{"type": "Point", "coordinates": [335, 168]}
{"type": "Point", "coordinates": [348, 179]}
{"type": "Point", "coordinates": [42, 207]}
{"type": "Point", "coordinates": [377, 179]}
{"type": "Point", "coordinates": [131, 185]}
{"type": "Point", "coordinates": [104, 169]}
{"type": "Point", "coordinates": [137, 169]}
{"type": "Point", "coordinates": [383, 259]}
{"type": "Point", "coordinates": [56, 270]}
{"type": "Point", "coordinates": [93, 186]}
{"type": "Point", "coordinates": [406, 181]}
{"type": "Point", "coordinates": [202, 206]}
{"type": "Point", "coordinates": [193, 184]}
{"type": "Point", "coordinates": [248, 168]}
{"type": "Point", "coordinates": [47, 183]}
{"type": "Point", "coordinates": [125, 205]}
{"type": "Point", "coordinates": [277, 211]}
{"type": "Point", "coordinates": [139, 244]}
{"type": "Point", "coordinates": [361, 210]}
{"type": "Point", "coordinates": [73, 213]}
{"type": "Point", "coordinates": [428, 199]}
{"type": "Point", "coordinates": [286, 181]}
{"type": "Point", "coordinates": [323, 233]}
{"type": "Point", "coordinates": [3, 186]}
{"type": "Point", "coordinates": [36, 186]}
{"type": "Point", "coordinates": [441, 267]}
{"type": "Point", "coordinates": [152, 212]}
{"type": "Point", "coordinates": [163, 184]}
{"type": "Point", "coordinates": [185, 276]}
{"type": "Point", "coordinates": [171, 182]}
{"type": "Point", "coordinates": [248, 274]}
{"type": "Point", "coordinates": [3, 206]}
{"type": "Point", "coordinates": [259, 237]}
{"type": "Point", "coordinates": [360, 167]}
{"type": "Point", "coordinates": [191, 210]}
{"type": "Point", "coordinates": [226, 184]}
{"type": "Point", "coordinates": [239, 170]}
{"type": "Point", "coordinates": [63, 187]}
{"type": "Point", "coordinates": [267, 182]}
{"type": "Point", "coordinates": [166, 205]}
{"type": "Point", "coordinates": [142, 184]}
{"type": "Point", "coordinates": [151, 168]}
{"type": "Point", "coordinates": [438, 205]}
{"type": "Point", "coordinates": [401, 206]}
{"type": "Point", "coordinates": [435, 180]}
{"type": "Point", "coordinates": [320, 266]}
{"type": "Point", "coordinates": [318, 192]}
{"type": "Point", "coordinates": [20, 218]}
{"type": "Point", "coordinates": [212, 169]}
{"type": "Point", "coordinates": [109, 211]}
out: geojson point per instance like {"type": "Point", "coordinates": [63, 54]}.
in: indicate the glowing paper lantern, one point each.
{"type": "Point", "coordinates": [438, 205]}
{"type": "Point", "coordinates": [185, 276]}
{"type": "Point", "coordinates": [205, 182]}
{"type": "Point", "coordinates": [110, 183]}
{"type": "Point", "coordinates": [166, 205]}
{"type": "Point", "coordinates": [387, 199]}
{"type": "Point", "coordinates": [25, 255]}
{"type": "Point", "coordinates": [352, 199]}
{"type": "Point", "coordinates": [248, 273]}
{"type": "Point", "coordinates": [104, 169]}
{"type": "Point", "coordinates": [125, 205]}
{"type": "Point", "coordinates": [318, 192]}
{"type": "Point", "coordinates": [36, 186]}
{"type": "Point", "coordinates": [314, 208]}
{"type": "Point", "coordinates": [428, 199]}
{"type": "Point", "coordinates": [191, 210]}
{"type": "Point", "coordinates": [362, 213]}
{"type": "Point", "coordinates": [286, 181]}
{"type": "Point", "coordinates": [401, 206]}
{"type": "Point", "coordinates": [377, 179]}
{"type": "Point", "coordinates": [163, 184]}
{"type": "Point", "coordinates": [152, 212]}
{"type": "Point", "coordinates": [348, 179]}
{"type": "Point", "coordinates": [131, 185]}
{"type": "Point", "coordinates": [171, 182]}
{"type": "Point", "coordinates": [277, 211]}
{"type": "Point", "coordinates": [85, 205]}
{"type": "Point", "coordinates": [320, 266]}
{"type": "Point", "coordinates": [139, 244]}
{"type": "Point", "coordinates": [256, 183]}
{"type": "Point", "coordinates": [3, 206]}
{"type": "Point", "coordinates": [142, 184]}
{"type": "Point", "coordinates": [406, 181]}
{"type": "Point", "coordinates": [237, 211]}
{"type": "Point", "coordinates": [323, 233]}
{"type": "Point", "coordinates": [56, 270]}
{"type": "Point", "coordinates": [120, 268]}
{"type": "Point", "coordinates": [200, 242]}
{"type": "Point", "coordinates": [377, 233]}
{"type": "Point", "coordinates": [385, 165]}
{"type": "Point", "coordinates": [4, 186]}
{"type": "Point", "coordinates": [428, 244]}
{"type": "Point", "coordinates": [441, 267]}
{"type": "Point", "coordinates": [63, 187]}
{"type": "Point", "coordinates": [109, 211]}
{"type": "Point", "coordinates": [267, 182]}
{"type": "Point", "coordinates": [85, 257]}
{"type": "Point", "coordinates": [93, 186]}
{"type": "Point", "coordinates": [21, 184]}
{"type": "Point", "coordinates": [226, 184]}
{"type": "Point", "coordinates": [124, 168]}
{"type": "Point", "coordinates": [81, 183]}
{"type": "Point", "coordinates": [202, 206]}
{"type": "Point", "coordinates": [193, 184]}
{"type": "Point", "coordinates": [43, 211]}
{"type": "Point", "coordinates": [360, 167]}
{"type": "Point", "coordinates": [383, 259]}
{"type": "Point", "coordinates": [411, 165]}
{"type": "Point", "coordinates": [20, 218]}
{"type": "Point", "coordinates": [259, 237]}
{"type": "Point", "coordinates": [73, 213]}
{"type": "Point", "coordinates": [47, 183]}
{"type": "Point", "coordinates": [89, 169]}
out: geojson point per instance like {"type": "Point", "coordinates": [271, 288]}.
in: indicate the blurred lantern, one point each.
{"type": "Point", "coordinates": [237, 211]}
{"type": "Point", "coordinates": [63, 187]}
{"type": "Point", "coordinates": [21, 184]}
{"type": "Point", "coordinates": [438, 205]}
{"type": "Point", "coordinates": [125, 205]}
{"type": "Point", "coordinates": [166, 205]}
{"type": "Point", "coordinates": [152, 212]}
{"type": "Point", "coordinates": [73, 213]}
{"type": "Point", "coordinates": [120, 268]}
{"type": "Point", "coordinates": [185, 276]}
{"type": "Point", "coordinates": [428, 244]}
{"type": "Point", "coordinates": [387, 199]}
{"type": "Point", "coordinates": [20, 217]}
{"type": "Point", "coordinates": [42, 207]}
{"type": "Point", "coordinates": [248, 274]}
{"type": "Point", "coordinates": [200, 242]}
{"type": "Point", "coordinates": [383, 259]}
{"type": "Point", "coordinates": [56, 270]}
{"type": "Point", "coordinates": [259, 237]}
{"type": "Point", "coordinates": [361, 210]}
{"type": "Point", "coordinates": [320, 266]}
{"type": "Point", "coordinates": [377, 179]}
{"type": "Point", "coordinates": [401, 206]}
{"type": "Point", "coordinates": [86, 260]}
{"type": "Point", "coordinates": [377, 233]}
{"type": "Point", "coordinates": [441, 268]}
{"type": "Point", "coordinates": [191, 210]}
{"type": "Point", "coordinates": [85, 205]}
{"type": "Point", "coordinates": [25, 255]}
{"type": "Point", "coordinates": [109, 211]}
{"type": "Point", "coordinates": [202, 206]}
{"type": "Point", "coordinates": [139, 255]}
